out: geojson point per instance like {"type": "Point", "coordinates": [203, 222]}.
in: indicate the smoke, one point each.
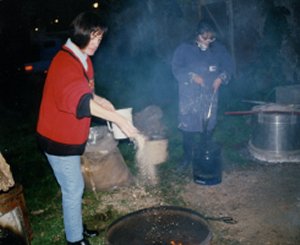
{"type": "Point", "coordinates": [133, 63]}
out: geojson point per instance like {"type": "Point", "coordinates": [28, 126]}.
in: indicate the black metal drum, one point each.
{"type": "Point", "coordinates": [207, 164]}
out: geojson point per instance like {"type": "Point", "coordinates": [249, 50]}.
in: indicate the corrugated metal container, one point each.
{"type": "Point", "coordinates": [275, 134]}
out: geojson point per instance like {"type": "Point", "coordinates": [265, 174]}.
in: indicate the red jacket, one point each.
{"type": "Point", "coordinates": [59, 129]}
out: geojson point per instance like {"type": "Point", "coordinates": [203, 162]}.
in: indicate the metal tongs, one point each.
{"type": "Point", "coordinates": [206, 119]}
{"type": "Point", "coordinates": [210, 106]}
{"type": "Point", "coordinates": [225, 219]}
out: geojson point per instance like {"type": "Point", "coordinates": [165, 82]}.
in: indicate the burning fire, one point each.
{"type": "Point", "coordinates": [176, 243]}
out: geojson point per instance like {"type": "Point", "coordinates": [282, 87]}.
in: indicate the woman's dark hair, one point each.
{"type": "Point", "coordinates": [82, 27]}
{"type": "Point", "coordinates": [205, 26]}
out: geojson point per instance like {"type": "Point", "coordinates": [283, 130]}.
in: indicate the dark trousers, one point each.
{"type": "Point", "coordinates": [188, 145]}
{"type": "Point", "coordinates": [193, 140]}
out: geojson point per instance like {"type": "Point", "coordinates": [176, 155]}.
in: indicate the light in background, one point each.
{"type": "Point", "coordinates": [95, 5]}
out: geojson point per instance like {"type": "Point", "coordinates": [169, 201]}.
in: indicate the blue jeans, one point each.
{"type": "Point", "coordinates": [68, 175]}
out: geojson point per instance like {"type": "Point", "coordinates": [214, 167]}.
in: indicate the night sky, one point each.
{"type": "Point", "coordinates": [143, 35]}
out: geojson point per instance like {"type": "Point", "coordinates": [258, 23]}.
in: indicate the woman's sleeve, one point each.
{"type": "Point", "coordinates": [179, 65]}
{"type": "Point", "coordinates": [83, 108]}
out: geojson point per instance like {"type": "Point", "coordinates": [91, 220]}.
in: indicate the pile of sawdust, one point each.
{"type": "Point", "coordinates": [131, 198]}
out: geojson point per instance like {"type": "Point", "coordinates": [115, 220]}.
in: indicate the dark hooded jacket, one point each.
{"type": "Point", "coordinates": [195, 100]}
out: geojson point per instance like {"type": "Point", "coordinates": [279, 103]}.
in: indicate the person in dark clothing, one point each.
{"type": "Point", "coordinates": [200, 67]}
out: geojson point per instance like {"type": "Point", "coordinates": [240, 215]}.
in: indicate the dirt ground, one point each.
{"type": "Point", "coordinates": [263, 199]}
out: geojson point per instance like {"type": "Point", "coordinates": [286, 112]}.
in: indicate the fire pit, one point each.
{"type": "Point", "coordinates": [165, 225]}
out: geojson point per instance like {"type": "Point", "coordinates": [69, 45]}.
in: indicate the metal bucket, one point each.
{"type": "Point", "coordinates": [275, 135]}
{"type": "Point", "coordinates": [207, 164]}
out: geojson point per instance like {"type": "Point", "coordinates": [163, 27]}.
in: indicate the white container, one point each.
{"type": "Point", "coordinates": [116, 131]}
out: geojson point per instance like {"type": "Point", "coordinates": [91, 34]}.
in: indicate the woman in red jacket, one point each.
{"type": "Point", "coordinates": [67, 105]}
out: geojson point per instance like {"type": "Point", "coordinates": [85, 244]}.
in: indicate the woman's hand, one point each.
{"type": "Point", "coordinates": [127, 127]}
{"type": "Point", "coordinates": [217, 84]}
{"type": "Point", "coordinates": [197, 79]}
{"type": "Point", "coordinates": [111, 115]}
